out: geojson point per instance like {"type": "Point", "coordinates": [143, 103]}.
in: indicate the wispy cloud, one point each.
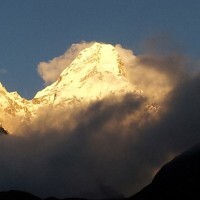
{"type": "Point", "coordinates": [3, 71]}
{"type": "Point", "coordinates": [50, 71]}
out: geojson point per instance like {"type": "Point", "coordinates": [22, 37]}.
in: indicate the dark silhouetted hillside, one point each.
{"type": "Point", "coordinates": [179, 179]}
{"type": "Point", "coordinates": [14, 195]}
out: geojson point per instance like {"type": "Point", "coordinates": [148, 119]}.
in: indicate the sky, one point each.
{"type": "Point", "coordinates": [34, 31]}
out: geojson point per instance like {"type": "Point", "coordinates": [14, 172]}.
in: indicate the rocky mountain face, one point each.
{"type": "Point", "coordinates": [96, 73]}
{"type": "Point", "coordinates": [3, 131]}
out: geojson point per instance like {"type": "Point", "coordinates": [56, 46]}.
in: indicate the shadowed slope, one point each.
{"type": "Point", "coordinates": [179, 179]}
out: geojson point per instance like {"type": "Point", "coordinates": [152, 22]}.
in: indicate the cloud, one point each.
{"type": "Point", "coordinates": [50, 71]}
{"type": "Point", "coordinates": [113, 146]}
{"type": "Point", "coordinates": [68, 160]}
{"type": "Point", "coordinates": [154, 74]}
{"type": "Point", "coordinates": [3, 71]}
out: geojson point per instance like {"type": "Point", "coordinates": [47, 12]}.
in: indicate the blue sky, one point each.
{"type": "Point", "coordinates": [32, 31]}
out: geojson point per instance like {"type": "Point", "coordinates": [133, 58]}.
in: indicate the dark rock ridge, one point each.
{"type": "Point", "coordinates": [179, 179]}
{"type": "Point", "coordinates": [3, 131]}
{"type": "Point", "coordinates": [14, 195]}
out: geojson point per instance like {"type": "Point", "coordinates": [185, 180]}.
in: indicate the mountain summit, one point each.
{"type": "Point", "coordinates": [97, 72]}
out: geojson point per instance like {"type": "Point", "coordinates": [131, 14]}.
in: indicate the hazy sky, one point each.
{"type": "Point", "coordinates": [32, 31]}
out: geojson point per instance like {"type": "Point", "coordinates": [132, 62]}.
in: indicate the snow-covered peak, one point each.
{"type": "Point", "coordinates": [98, 71]}
{"type": "Point", "coordinates": [103, 56]}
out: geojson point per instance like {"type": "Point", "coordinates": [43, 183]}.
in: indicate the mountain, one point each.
{"type": "Point", "coordinates": [178, 179]}
{"type": "Point", "coordinates": [97, 72]}
{"type": "Point", "coordinates": [13, 195]}
{"type": "Point", "coordinates": [15, 109]}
